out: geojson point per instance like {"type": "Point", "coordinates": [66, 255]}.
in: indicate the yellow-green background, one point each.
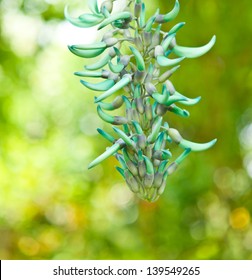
{"type": "Point", "coordinates": [52, 207]}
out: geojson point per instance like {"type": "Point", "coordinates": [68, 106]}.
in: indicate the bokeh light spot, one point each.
{"type": "Point", "coordinates": [246, 136]}
{"type": "Point", "coordinates": [240, 218]}
{"type": "Point", "coordinates": [28, 246]}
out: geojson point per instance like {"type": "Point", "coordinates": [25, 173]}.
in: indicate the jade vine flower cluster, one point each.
{"type": "Point", "coordinates": [132, 59]}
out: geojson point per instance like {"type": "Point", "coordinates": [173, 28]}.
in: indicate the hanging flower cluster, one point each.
{"type": "Point", "coordinates": [135, 75]}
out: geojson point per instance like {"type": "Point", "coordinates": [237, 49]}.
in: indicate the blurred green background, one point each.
{"type": "Point", "coordinates": [52, 207]}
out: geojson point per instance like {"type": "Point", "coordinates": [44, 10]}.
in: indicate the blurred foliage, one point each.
{"type": "Point", "coordinates": [52, 207]}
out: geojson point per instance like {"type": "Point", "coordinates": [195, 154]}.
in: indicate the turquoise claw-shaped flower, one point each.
{"type": "Point", "coordinates": [169, 16]}
{"type": "Point", "coordinates": [194, 51]}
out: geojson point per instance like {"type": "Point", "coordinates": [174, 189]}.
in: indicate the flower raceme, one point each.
{"type": "Point", "coordinates": [138, 79]}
